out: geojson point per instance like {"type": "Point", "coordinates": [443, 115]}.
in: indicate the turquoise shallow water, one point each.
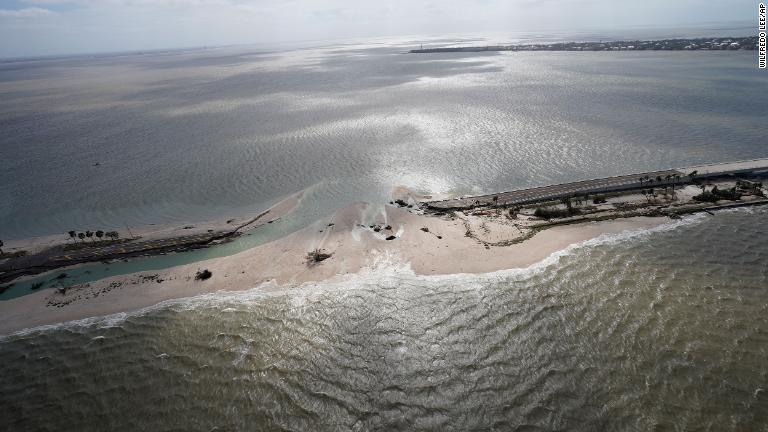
{"type": "Point", "coordinates": [188, 136]}
{"type": "Point", "coordinates": [185, 137]}
{"type": "Point", "coordinates": [661, 331]}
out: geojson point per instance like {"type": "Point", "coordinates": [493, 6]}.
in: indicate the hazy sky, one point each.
{"type": "Point", "coordinates": [33, 27]}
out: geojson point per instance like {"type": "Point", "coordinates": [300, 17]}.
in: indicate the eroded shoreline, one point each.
{"type": "Point", "coordinates": [282, 264]}
{"type": "Point", "coordinates": [486, 235]}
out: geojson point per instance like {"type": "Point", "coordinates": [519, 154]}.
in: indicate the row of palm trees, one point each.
{"type": "Point", "coordinates": [670, 178]}
{"type": "Point", "coordinates": [74, 235]}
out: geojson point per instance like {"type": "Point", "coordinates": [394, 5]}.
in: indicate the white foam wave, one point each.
{"type": "Point", "coordinates": [387, 271]}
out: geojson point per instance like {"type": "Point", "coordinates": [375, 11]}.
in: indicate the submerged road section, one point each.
{"type": "Point", "coordinates": [609, 184]}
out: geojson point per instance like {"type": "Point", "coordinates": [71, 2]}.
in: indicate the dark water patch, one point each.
{"type": "Point", "coordinates": [178, 142]}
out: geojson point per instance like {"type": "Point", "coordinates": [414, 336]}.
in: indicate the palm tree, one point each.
{"type": "Point", "coordinates": [81, 236]}
{"type": "Point", "coordinates": [99, 234]}
{"type": "Point", "coordinates": [89, 234]}
{"type": "Point", "coordinates": [567, 201]}
{"type": "Point", "coordinates": [658, 179]}
{"type": "Point", "coordinates": [72, 235]}
{"type": "Point", "coordinates": [693, 175]}
{"type": "Point", "coordinates": [1, 246]}
{"type": "Point", "coordinates": [641, 180]}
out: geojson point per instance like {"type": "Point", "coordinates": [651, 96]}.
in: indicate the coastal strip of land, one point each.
{"type": "Point", "coordinates": [415, 232]}
{"type": "Point", "coordinates": [44, 254]}
{"type": "Point", "coordinates": [749, 43]}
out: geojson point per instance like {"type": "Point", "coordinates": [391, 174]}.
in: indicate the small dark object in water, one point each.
{"type": "Point", "coordinates": [96, 164]}
{"type": "Point", "coordinates": [391, 238]}
{"type": "Point", "coordinates": [330, 224]}
{"type": "Point", "coordinates": [230, 221]}
{"type": "Point", "coordinates": [210, 231]}
{"type": "Point", "coordinates": [36, 285]}
{"type": "Point", "coordinates": [410, 206]}
{"type": "Point", "coordinates": [425, 229]}
{"type": "Point", "coordinates": [188, 227]}
{"type": "Point", "coordinates": [401, 203]}
{"type": "Point", "coordinates": [439, 237]}
{"type": "Point", "coordinates": [388, 227]}
{"type": "Point", "coordinates": [270, 221]}
{"type": "Point", "coordinates": [203, 275]}
{"type": "Point", "coordinates": [377, 229]}
{"type": "Point", "coordinates": [61, 276]}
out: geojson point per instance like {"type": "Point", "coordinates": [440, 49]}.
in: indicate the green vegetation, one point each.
{"type": "Point", "coordinates": [717, 194]}
{"type": "Point", "coordinates": [554, 213]}
{"type": "Point", "coordinates": [74, 235]}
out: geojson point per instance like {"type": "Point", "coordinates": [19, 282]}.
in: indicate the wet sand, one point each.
{"type": "Point", "coordinates": [429, 245]}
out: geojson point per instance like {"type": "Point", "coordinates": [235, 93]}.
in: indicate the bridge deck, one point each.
{"type": "Point", "coordinates": [545, 193]}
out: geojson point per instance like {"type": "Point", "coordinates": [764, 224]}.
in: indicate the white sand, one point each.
{"type": "Point", "coordinates": [283, 261]}
{"type": "Point", "coordinates": [157, 232]}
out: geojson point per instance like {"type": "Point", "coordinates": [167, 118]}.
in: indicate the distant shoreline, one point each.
{"type": "Point", "coordinates": [748, 43]}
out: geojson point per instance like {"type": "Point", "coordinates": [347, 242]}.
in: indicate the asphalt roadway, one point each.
{"type": "Point", "coordinates": [546, 193]}
{"type": "Point", "coordinates": [135, 247]}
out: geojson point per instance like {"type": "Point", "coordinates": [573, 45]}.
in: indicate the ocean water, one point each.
{"type": "Point", "coordinates": [190, 136]}
{"type": "Point", "coordinates": [661, 330]}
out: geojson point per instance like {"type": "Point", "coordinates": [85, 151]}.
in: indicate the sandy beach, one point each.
{"type": "Point", "coordinates": [164, 231]}
{"type": "Point", "coordinates": [357, 237]}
